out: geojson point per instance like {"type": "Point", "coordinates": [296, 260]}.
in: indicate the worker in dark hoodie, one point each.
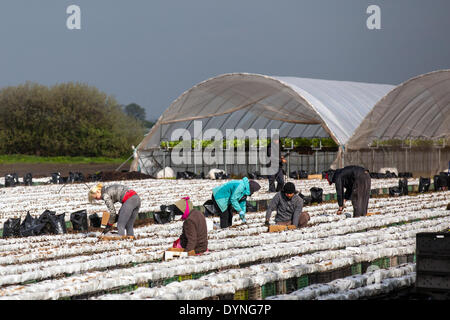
{"type": "Point", "coordinates": [195, 232]}
{"type": "Point", "coordinates": [289, 206]}
{"type": "Point", "coordinates": [356, 182]}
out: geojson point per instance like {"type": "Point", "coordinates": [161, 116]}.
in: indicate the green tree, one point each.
{"type": "Point", "coordinates": [136, 111]}
{"type": "Point", "coordinates": [68, 119]}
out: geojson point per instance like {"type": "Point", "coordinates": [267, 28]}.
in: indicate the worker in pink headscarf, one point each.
{"type": "Point", "coordinates": [195, 233]}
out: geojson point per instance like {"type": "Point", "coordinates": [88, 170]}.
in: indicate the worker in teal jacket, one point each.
{"type": "Point", "coordinates": [232, 197]}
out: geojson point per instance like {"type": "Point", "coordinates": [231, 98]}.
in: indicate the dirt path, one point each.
{"type": "Point", "coordinates": [46, 169]}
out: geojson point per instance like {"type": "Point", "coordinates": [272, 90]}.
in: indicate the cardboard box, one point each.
{"type": "Point", "coordinates": [105, 218]}
{"type": "Point", "coordinates": [314, 176]}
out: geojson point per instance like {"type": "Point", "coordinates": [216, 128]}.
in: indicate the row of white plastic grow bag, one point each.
{"type": "Point", "coordinates": [83, 284]}
{"type": "Point", "coordinates": [359, 286]}
{"type": "Point", "coordinates": [45, 269]}
{"type": "Point", "coordinates": [154, 193]}
{"type": "Point", "coordinates": [60, 246]}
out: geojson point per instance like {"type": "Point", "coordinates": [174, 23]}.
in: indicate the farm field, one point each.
{"type": "Point", "coordinates": [334, 257]}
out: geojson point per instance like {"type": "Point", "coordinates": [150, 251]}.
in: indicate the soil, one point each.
{"type": "Point", "coordinates": [104, 172]}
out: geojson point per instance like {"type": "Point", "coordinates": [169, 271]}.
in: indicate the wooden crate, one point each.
{"type": "Point", "coordinates": [280, 287]}
{"type": "Point", "coordinates": [393, 262]}
{"type": "Point", "coordinates": [255, 293]}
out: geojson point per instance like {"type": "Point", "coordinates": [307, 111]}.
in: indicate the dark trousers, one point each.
{"type": "Point", "coordinates": [360, 195]}
{"type": "Point", "coordinates": [226, 217]}
{"type": "Point", "coordinates": [279, 178]}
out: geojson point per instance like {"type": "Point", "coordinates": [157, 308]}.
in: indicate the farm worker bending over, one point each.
{"type": "Point", "coordinates": [232, 197]}
{"type": "Point", "coordinates": [128, 211]}
{"type": "Point", "coordinates": [195, 233]}
{"type": "Point", "coordinates": [288, 205]}
{"type": "Point", "coordinates": [356, 181]}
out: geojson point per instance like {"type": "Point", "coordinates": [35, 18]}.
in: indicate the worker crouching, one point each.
{"type": "Point", "coordinates": [289, 206]}
{"type": "Point", "coordinates": [128, 212]}
{"type": "Point", "coordinates": [195, 232]}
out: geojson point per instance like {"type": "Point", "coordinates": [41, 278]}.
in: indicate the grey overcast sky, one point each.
{"type": "Point", "coordinates": [151, 51]}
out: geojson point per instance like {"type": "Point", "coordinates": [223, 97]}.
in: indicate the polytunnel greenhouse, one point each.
{"type": "Point", "coordinates": [409, 128]}
{"type": "Point", "coordinates": [325, 110]}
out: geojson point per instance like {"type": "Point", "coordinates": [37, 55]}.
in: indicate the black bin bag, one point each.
{"type": "Point", "coordinates": [424, 184]}
{"type": "Point", "coordinates": [79, 220]}
{"type": "Point", "coordinates": [403, 186]}
{"type": "Point", "coordinates": [395, 192]}
{"type": "Point", "coordinates": [166, 214]}
{"type": "Point", "coordinates": [95, 221]}
{"type": "Point", "coordinates": [11, 228]}
{"type": "Point", "coordinates": [53, 223]}
{"type": "Point", "coordinates": [28, 179]}
{"type": "Point", "coordinates": [316, 194]}
{"type": "Point", "coordinates": [306, 199]}
{"type": "Point", "coordinates": [31, 226]}
{"type": "Point", "coordinates": [211, 209]}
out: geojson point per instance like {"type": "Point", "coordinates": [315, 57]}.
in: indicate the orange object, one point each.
{"type": "Point", "coordinates": [372, 213]}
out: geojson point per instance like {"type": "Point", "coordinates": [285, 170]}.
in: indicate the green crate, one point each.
{"type": "Point", "coordinates": [170, 280]}
{"type": "Point", "coordinates": [327, 197]}
{"type": "Point", "coordinates": [198, 275]}
{"type": "Point", "coordinates": [241, 295]}
{"type": "Point", "coordinates": [356, 269]}
{"type": "Point", "coordinates": [302, 281]}
{"type": "Point", "coordinates": [269, 289]}
{"type": "Point", "coordinates": [386, 264]}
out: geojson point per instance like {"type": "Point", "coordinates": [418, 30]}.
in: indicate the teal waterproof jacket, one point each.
{"type": "Point", "coordinates": [230, 193]}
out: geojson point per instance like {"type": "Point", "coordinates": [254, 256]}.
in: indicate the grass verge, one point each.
{"type": "Point", "coordinates": [19, 158]}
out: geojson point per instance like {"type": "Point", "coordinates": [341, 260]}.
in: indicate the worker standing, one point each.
{"type": "Point", "coordinates": [289, 206]}
{"type": "Point", "coordinates": [232, 197]}
{"type": "Point", "coordinates": [128, 211]}
{"type": "Point", "coordinates": [356, 182]}
{"type": "Point", "coordinates": [278, 176]}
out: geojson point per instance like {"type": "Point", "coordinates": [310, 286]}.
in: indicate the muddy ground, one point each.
{"type": "Point", "coordinates": [39, 170]}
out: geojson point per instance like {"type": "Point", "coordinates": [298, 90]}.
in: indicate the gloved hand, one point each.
{"type": "Point", "coordinates": [242, 216]}
{"type": "Point", "coordinates": [107, 228]}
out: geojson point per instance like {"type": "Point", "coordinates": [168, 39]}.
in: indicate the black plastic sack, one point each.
{"type": "Point", "coordinates": [28, 179]}
{"type": "Point", "coordinates": [79, 220]}
{"type": "Point", "coordinates": [405, 175]}
{"type": "Point", "coordinates": [55, 177]}
{"type": "Point", "coordinates": [441, 182]}
{"type": "Point", "coordinates": [53, 223]}
{"type": "Point", "coordinates": [221, 176]}
{"type": "Point", "coordinates": [306, 199]}
{"type": "Point", "coordinates": [316, 194]}
{"type": "Point", "coordinates": [211, 209]}
{"type": "Point", "coordinates": [11, 228]}
{"type": "Point", "coordinates": [403, 186]}
{"type": "Point", "coordinates": [394, 192]}
{"type": "Point", "coordinates": [10, 180]}
{"type": "Point", "coordinates": [166, 214]}
{"type": "Point", "coordinates": [31, 226]}
{"type": "Point", "coordinates": [95, 221]}
{"type": "Point", "coordinates": [424, 184]}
